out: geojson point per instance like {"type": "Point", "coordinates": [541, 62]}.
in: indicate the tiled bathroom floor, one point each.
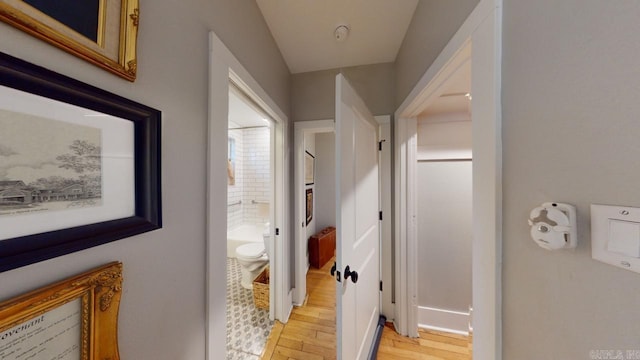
{"type": "Point", "coordinates": [247, 327]}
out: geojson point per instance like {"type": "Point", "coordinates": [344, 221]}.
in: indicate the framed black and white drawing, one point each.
{"type": "Point", "coordinates": [99, 31]}
{"type": "Point", "coordinates": [309, 168]}
{"type": "Point", "coordinates": [79, 166]}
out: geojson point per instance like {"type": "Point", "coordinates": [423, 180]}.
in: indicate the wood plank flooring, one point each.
{"type": "Point", "coordinates": [310, 332]}
{"type": "Point", "coordinates": [431, 345]}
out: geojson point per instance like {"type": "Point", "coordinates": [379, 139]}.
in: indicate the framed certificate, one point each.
{"type": "Point", "coordinates": [75, 319]}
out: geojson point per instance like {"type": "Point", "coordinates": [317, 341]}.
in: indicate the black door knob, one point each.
{"type": "Point", "coordinates": [333, 269]}
{"type": "Point", "coordinates": [348, 273]}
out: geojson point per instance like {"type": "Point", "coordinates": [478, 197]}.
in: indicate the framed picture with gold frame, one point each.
{"type": "Point", "coordinates": [103, 32]}
{"type": "Point", "coordinates": [76, 318]}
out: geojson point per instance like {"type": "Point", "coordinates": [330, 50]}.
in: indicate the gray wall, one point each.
{"type": "Point", "coordinates": [444, 235]}
{"type": "Point", "coordinates": [162, 315]}
{"type": "Point", "coordinates": [570, 134]}
{"type": "Point", "coordinates": [313, 93]}
{"type": "Point", "coordinates": [444, 212]}
{"type": "Point", "coordinates": [325, 195]}
{"type": "Point", "coordinates": [570, 130]}
{"type": "Point", "coordinates": [434, 23]}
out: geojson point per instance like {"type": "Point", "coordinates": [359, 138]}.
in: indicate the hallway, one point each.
{"type": "Point", "coordinates": [310, 332]}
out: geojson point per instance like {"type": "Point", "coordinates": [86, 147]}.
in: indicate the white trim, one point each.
{"type": "Point", "coordinates": [406, 229]}
{"type": "Point", "coordinates": [315, 126]}
{"type": "Point", "coordinates": [223, 66]}
{"type": "Point", "coordinates": [386, 241]}
{"type": "Point", "coordinates": [417, 96]}
{"type": "Point", "coordinates": [301, 258]}
{"type": "Point", "coordinates": [483, 31]}
{"type": "Point", "coordinates": [301, 265]}
{"type": "Point", "coordinates": [443, 320]}
{"type": "Point", "coordinates": [404, 299]}
{"type": "Point", "coordinates": [412, 225]}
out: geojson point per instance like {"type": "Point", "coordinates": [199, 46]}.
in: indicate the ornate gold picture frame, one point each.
{"type": "Point", "coordinates": [73, 319]}
{"type": "Point", "coordinates": [108, 40]}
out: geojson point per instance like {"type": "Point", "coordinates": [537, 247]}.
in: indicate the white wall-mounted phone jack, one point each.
{"type": "Point", "coordinates": [553, 226]}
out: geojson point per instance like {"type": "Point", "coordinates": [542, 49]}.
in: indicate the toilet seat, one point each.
{"type": "Point", "coordinates": [251, 251]}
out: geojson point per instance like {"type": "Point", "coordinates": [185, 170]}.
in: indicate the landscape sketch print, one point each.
{"type": "Point", "coordinates": [48, 165]}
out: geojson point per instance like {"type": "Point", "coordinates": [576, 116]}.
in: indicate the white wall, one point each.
{"type": "Point", "coordinates": [234, 192]}
{"type": "Point", "coordinates": [253, 179]}
{"type": "Point", "coordinates": [325, 180]}
{"type": "Point", "coordinates": [162, 314]}
{"type": "Point", "coordinates": [444, 220]}
{"type": "Point", "coordinates": [444, 136]}
{"type": "Point", "coordinates": [444, 240]}
{"type": "Point", "coordinates": [257, 176]}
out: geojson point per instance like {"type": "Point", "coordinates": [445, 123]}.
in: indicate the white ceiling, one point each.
{"type": "Point", "coordinates": [304, 31]}
{"type": "Point", "coordinates": [453, 99]}
{"type": "Point", "coordinates": [242, 114]}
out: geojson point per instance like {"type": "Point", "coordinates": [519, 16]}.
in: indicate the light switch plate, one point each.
{"type": "Point", "coordinates": [624, 238]}
{"type": "Point", "coordinates": [620, 221]}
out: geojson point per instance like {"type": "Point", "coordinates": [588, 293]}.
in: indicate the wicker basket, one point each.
{"type": "Point", "coordinates": [261, 290]}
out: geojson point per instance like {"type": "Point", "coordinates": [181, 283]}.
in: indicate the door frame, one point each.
{"type": "Point", "coordinates": [482, 30]}
{"type": "Point", "coordinates": [357, 305]}
{"type": "Point", "coordinates": [223, 67]}
{"type": "Point", "coordinates": [301, 263]}
{"type": "Point", "coordinates": [301, 128]}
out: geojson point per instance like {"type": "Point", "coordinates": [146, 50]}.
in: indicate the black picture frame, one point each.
{"type": "Point", "coordinates": [309, 168]}
{"type": "Point", "coordinates": [23, 250]}
{"type": "Point", "coordinates": [309, 205]}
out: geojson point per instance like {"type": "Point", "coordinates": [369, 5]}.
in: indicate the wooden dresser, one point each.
{"type": "Point", "coordinates": [322, 247]}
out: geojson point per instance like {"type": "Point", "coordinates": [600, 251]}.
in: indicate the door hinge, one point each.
{"type": "Point", "coordinates": [380, 144]}
{"type": "Point", "coordinates": [277, 231]}
{"type": "Point", "coordinates": [380, 215]}
{"type": "Point", "coordinates": [380, 285]}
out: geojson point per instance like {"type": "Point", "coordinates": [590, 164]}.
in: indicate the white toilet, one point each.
{"type": "Point", "coordinates": [253, 258]}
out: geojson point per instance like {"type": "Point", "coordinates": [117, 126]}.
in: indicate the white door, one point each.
{"type": "Point", "coordinates": [357, 224]}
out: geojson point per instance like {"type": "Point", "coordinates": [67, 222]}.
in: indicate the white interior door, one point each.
{"type": "Point", "coordinates": [358, 304]}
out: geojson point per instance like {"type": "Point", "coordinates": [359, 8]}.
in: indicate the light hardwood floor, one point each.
{"type": "Point", "coordinates": [310, 332]}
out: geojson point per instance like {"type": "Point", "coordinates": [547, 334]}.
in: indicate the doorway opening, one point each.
{"type": "Point", "coordinates": [316, 185]}
{"type": "Point", "coordinates": [224, 69]}
{"type": "Point", "coordinates": [477, 41]}
{"type": "Point", "coordinates": [250, 192]}
{"type": "Point", "coordinates": [444, 203]}
{"type": "Point", "coordinates": [314, 286]}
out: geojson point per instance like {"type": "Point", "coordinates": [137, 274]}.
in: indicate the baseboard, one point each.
{"type": "Point", "coordinates": [443, 320]}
